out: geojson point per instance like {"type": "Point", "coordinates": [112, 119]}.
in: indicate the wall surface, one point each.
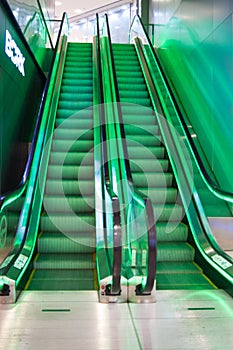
{"type": "Point", "coordinates": [195, 44]}
{"type": "Point", "coordinates": [21, 86]}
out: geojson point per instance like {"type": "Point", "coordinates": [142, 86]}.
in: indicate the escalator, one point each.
{"type": "Point", "coordinates": [66, 244]}
{"type": "Point", "coordinates": [61, 227]}
{"type": "Point", "coordinates": [152, 175]}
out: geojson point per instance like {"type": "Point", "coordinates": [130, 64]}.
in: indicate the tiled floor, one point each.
{"type": "Point", "coordinates": [71, 321]}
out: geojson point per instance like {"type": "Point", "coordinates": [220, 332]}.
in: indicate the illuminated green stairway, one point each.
{"type": "Point", "coordinates": [66, 243]}
{"type": "Point", "coordinates": [152, 175]}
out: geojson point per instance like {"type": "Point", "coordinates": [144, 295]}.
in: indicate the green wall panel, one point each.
{"type": "Point", "coordinates": [194, 40]}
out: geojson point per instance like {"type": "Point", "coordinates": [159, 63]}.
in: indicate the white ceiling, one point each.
{"type": "Point", "coordinates": [79, 7]}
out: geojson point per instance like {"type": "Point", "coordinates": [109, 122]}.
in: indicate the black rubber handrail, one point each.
{"type": "Point", "coordinates": [151, 227]}
{"type": "Point", "coordinates": [208, 179]}
{"type": "Point", "coordinates": [115, 287]}
{"type": "Point", "coordinates": [38, 121]}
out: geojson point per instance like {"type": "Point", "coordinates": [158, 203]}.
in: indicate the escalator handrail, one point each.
{"type": "Point", "coordinates": [222, 193]}
{"type": "Point", "coordinates": [38, 122]}
{"type": "Point", "coordinates": [45, 23]}
{"type": "Point", "coordinates": [151, 227]}
{"type": "Point", "coordinates": [115, 287]}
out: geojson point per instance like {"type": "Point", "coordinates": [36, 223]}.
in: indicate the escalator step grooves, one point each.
{"type": "Point", "coordinates": [152, 175]}
{"type": "Point", "coordinates": [66, 244]}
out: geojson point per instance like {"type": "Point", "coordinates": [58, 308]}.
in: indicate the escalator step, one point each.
{"type": "Point", "coordinates": [74, 105]}
{"type": "Point", "coordinates": [182, 281]}
{"type": "Point", "coordinates": [153, 180]}
{"type": "Point", "coordinates": [67, 223]}
{"type": "Point", "coordinates": [65, 205]}
{"type": "Point", "coordinates": [76, 96]}
{"type": "Point", "coordinates": [69, 187]}
{"type": "Point", "coordinates": [63, 280]}
{"type": "Point", "coordinates": [144, 152]}
{"type": "Point", "coordinates": [67, 146]}
{"type": "Point", "coordinates": [160, 195]}
{"type": "Point", "coordinates": [57, 242]}
{"type": "Point", "coordinates": [144, 122]}
{"type": "Point", "coordinates": [71, 172]}
{"type": "Point", "coordinates": [74, 115]}
{"type": "Point", "coordinates": [87, 89]}
{"type": "Point", "coordinates": [171, 232]}
{"type": "Point", "coordinates": [64, 261]}
{"type": "Point", "coordinates": [168, 212]}
{"type": "Point", "coordinates": [175, 252]}
{"type": "Point", "coordinates": [71, 158]}
{"type": "Point", "coordinates": [148, 166]}
{"type": "Point", "coordinates": [129, 108]}
{"type": "Point", "coordinates": [83, 79]}
{"type": "Point", "coordinates": [63, 133]}
{"type": "Point", "coordinates": [177, 268]}
{"type": "Point", "coordinates": [144, 140]}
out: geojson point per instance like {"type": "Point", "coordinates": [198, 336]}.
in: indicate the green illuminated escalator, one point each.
{"type": "Point", "coordinates": [65, 257]}
{"type": "Point", "coordinates": [152, 175]}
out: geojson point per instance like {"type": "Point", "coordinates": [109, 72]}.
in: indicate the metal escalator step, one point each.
{"type": "Point", "coordinates": [145, 122]}
{"type": "Point", "coordinates": [69, 113]}
{"type": "Point", "coordinates": [122, 79]}
{"type": "Point", "coordinates": [82, 274]}
{"type": "Point", "coordinates": [168, 212]}
{"type": "Point", "coordinates": [73, 122]}
{"type": "Point", "coordinates": [71, 158]}
{"type": "Point", "coordinates": [63, 133]}
{"type": "Point", "coordinates": [85, 79]}
{"type": "Point", "coordinates": [79, 67]}
{"type": "Point", "coordinates": [129, 109]}
{"type": "Point", "coordinates": [160, 195]}
{"type": "Point", "coordinates": [144, 152]}
{"type": "Point", "coordinates": [69, 279]}
{"type": "Point", "coordinates": [64, 261]}
{"type": "Point", "coordinates": [63, 205]}
{"type": "Point", "coordinates": [145, 140]}
{"type": "Point", "coordinates": [182, 281]}
{"type": "Point", "coordinates": [61, 284]}
{"type": "Point", "coordinates": [57, 242]}
{"type": "Point", "coordinates": [76, 96]}
{"type": "Point", "coordinates": [134, 75]}
{"type": "Point", "coordinates": [66, 89]}
{"type": "Point", "coordinates": [138, 128]}
{"type": "Point", "coordinates": [67, 223]}
{"type": "Point", "coordinates": [126, 68]}
{"type": "Point", "coordinates": [71, 172]}
{"type": "Point", "coordinates": [77, 146]}
{"type": "Point", "coordinates": [146, 102]}
{"type": "Point", "coordinates": [148, 165]}
{"type": "Point", "coordinates": [74, 105]}
{"type": "Point", "coordinates": [69, 187]}
{"type": "Point", "coordinates": [152, 180]}
{"type": "Point", "coordinates": [174, 252]}
{"type": "Point", "coordinates": [171, 232]}
{"type": "Point", "coordinates": [177, 268]}
{"type": "Point", "coordinates": [127, 92]}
